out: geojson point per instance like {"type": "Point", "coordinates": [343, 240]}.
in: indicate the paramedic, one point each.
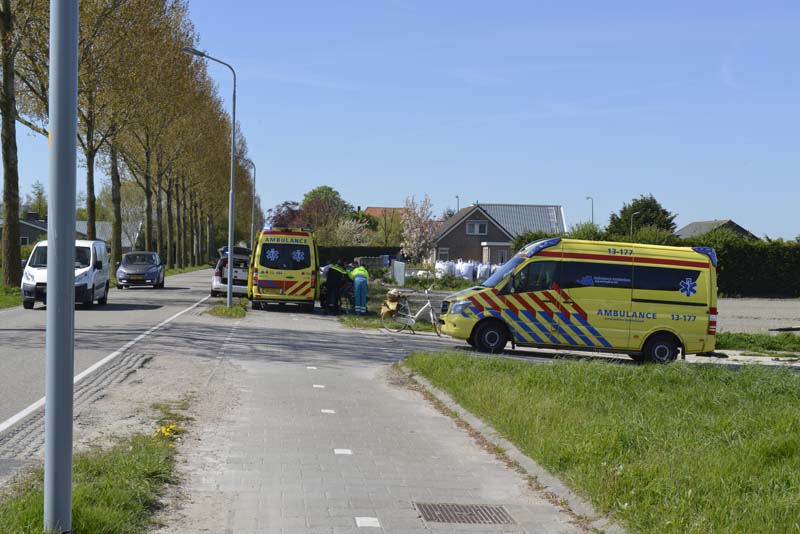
{"type": "Point", "coordinates": [360, 276]}
{"type": "Point", "coordinates": [333, 283]}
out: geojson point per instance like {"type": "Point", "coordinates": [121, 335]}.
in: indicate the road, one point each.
{"type": "Point", "coordinates": [99, 331]}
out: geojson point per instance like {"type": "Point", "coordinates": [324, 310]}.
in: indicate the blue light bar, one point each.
{"type": "Point", "coordinates": [708, 251]}
{"type": "Point", "coordinates": [531, 249]}
{"type": "Point", "coordinates": [267, 227]}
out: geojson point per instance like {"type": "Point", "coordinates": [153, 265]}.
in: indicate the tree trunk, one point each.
{"type": "Point", "coordinates": [159, 210]}
{"type": "Point", "coordinates": [12, 272]}
{"type": "Point", "coordinates": [170, 228]}
{"type": "Point", "coordinates": [179, 225]}
{"type": "Point", "coordinates": [193, 229]}
{"type": "Point", "coordinates": [210, 237]}
{"type": "Point", "coordinates": [148, 204]}
{"type": "Point", "coordinates": [91, 214]}
{"type": "Point", "coordinates": [186, 224]}
{"type": "Point", "coordinates": [116, 200]}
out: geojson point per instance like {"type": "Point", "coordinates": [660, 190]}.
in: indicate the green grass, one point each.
{"type": "Point", "coordinates": [10, 297]}
{"type": "Point", "coordinates": [677, 448]}
{"type": "Point", "coordinates": [375, 297]}
{"type": "Point", "coordinates": [783, 342]}
{"type": "Point", "coordinates": [237, 311]}
{"type": "Point", "coordinates": [114, 490]}
{"type": "Point", "coordinates": [170, 272]}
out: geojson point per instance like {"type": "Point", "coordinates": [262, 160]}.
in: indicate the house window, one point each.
{"type": "Point", "coordinates": [476, 227]}
{"type": "Point", "coordinates": [502, 256]}
{"type": "Point", "coordinates": [444, 254]}
{"type": "Point", "coordinates": [23, 240]}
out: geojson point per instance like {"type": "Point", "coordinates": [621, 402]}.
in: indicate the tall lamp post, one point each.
{"type": "Point", "coordinates": [634, 214]}
{"type": "Point", "coordinates": [198, 53]}
{"type": "Point", "coordinates": [458, 204]}
{"type": "Point", "coordinates": [590, 198]}
{"type": "Point", "coordinates": [253, 209]}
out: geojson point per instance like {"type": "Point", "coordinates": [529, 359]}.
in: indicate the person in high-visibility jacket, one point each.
{"type": "Point", "coordinates": [360, 277]}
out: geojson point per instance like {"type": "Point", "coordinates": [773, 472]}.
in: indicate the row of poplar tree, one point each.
{"type": "Point", "coordinates": [148, 114]}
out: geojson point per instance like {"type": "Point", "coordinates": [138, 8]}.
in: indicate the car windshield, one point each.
{"type": "Point", "coordinates": [83, 257]}
{"type": "Point", "coordinates": [139, 259]}
{"type": "Point", "coordinates": [503, 271]}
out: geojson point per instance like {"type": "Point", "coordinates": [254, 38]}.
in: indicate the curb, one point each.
{"type": "Point", "coordinates": [574, 502]}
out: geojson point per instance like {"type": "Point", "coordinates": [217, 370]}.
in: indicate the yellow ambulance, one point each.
{"type": "Point", "coordinates": [284, 266]}
{"type": "Point", "coordinates": [647, 301]}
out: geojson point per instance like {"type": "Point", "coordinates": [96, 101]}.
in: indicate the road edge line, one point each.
{"type": "Point", "coordinates": [25, 412]}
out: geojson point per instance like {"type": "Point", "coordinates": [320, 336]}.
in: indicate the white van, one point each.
{"type": "Point", "coordinates": [91, 274]}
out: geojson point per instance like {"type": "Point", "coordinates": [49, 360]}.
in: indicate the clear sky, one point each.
{"type": "Point", "coordinates": [515, 102]}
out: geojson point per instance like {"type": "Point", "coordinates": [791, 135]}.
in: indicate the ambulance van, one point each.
{"type": "Point", "coordinates": [647, 301]}
{"type": "Point", "coordinates": [283, 268]}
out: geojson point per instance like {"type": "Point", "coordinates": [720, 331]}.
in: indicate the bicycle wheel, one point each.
{"type": "Point", "coordinates": [435, 322]}
{"type": "Point", "coordinates": [389, 318]}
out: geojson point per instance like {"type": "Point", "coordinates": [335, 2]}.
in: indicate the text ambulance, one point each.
{"type": "Point", "coordinates": [283, 268]}
{"type": "Point", "coordinates": [647, 301]}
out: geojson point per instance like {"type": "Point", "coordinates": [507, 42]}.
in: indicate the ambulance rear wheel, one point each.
{"type": "Point", "coordinates": [491, 337]}
{"type": "Point", "coordinates": [661, 348]}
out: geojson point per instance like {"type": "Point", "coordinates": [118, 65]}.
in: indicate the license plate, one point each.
{"type": "Point", "coordinates": [137, 277]}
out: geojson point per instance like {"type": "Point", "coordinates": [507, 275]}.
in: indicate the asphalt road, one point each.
{"type": "Point", "coordinates": [99, 331]}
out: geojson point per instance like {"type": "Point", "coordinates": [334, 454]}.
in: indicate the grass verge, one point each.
{"type": "Point", "coordinates": [10, 297]}
{"type": "Point", "coordinates": [237, 311]}
{"type": "Point", "coordinates": [114, 490]}
{"type": "Point", "coordinates": [676, 448]}
{"type": "Point", "coordinates": [375, 296]}
{"type": "Point", "coordinates": [783, 342]}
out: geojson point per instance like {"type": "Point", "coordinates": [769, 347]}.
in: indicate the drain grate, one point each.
{"type": "Point", "coordinates": [472, 514]}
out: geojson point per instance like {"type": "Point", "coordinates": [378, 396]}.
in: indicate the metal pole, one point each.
{"type": "Point", "coordinates": [458, 204]}
{"type": "Point", "coordinates": [253, 209]}
{"type": "Point", "coordinates": [230, 200]}
{"type": "Point", "coordinates": [60, 317]}
{"type": "Point", "coordinates": [592, 199]}
{"type": "Point", "coordinates": [634, 214]}
{"type": "Point", "coordinates": [193, 51]}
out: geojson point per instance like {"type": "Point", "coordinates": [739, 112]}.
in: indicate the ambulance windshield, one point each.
{"type": "Point", "coordinates": [286, 257]}
{"type": "Point", "coordinates": [503, 271]}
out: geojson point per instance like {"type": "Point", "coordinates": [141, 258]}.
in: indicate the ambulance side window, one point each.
{"type": "Point", "coordinates": [536, 276]}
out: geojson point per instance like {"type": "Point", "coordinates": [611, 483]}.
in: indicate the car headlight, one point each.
{"type": "Point", "coordinates": [459, 306]}
{"type": "Point", "coordinates": [28, 276]}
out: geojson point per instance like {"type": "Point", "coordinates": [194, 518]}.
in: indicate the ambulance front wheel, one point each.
{"type": "Point", "coordinates": [491, 337]}
{"type": "Point", "coordinates": [661, 348]}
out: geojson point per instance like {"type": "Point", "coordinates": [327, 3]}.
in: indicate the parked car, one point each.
{"type": "Point", "coordinates": [140, 268]}
{"type": "Point", "coordinates": [91, 274]}
{"type": "Point", "coordinates": [219, 280]}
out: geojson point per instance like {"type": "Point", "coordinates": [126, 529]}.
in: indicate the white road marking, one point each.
{"type": "Point", "coordinates": [39, 403]}
{"type": "Point", "coordinates": [320, 386]}
{"type": "Point", "coordinates": [328, 411]}
{"type": "Point", "coordinates": [311, 367]}
{"type": "Point", "coordinates": [343, 451]}
{"type": "Point", "coordinates": [368, 522]}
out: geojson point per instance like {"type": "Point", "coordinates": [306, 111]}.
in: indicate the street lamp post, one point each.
{"type": "Point", "coordinates": [458, 204]}
{"type": "Point", "coordinates": [198, 53]}
{"type": "Point", "coordinates": [253, 209]}
{"type": "Point", "coordinates": [590, 198]}
{"type": "Point", "coordinates": [634, 214]}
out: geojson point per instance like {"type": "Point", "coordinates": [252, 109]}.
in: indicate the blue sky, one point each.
{"type": "Point", "coordinates": [515, 102]}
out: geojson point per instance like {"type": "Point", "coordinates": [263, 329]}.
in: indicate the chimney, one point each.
{"type": "Point", "coordinates": [32, 216]}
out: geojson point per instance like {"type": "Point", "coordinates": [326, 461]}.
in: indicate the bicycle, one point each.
{"type": "Point", "coordinates": [396, 312]}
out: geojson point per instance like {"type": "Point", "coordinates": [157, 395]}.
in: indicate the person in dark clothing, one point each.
{"type": "Point", "coordinates": [333, 283]}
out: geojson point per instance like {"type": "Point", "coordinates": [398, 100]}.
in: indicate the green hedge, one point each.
{"type": "Point", "coordinates": [746, 268]}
